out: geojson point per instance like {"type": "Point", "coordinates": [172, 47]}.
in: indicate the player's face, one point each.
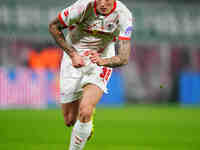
{"type": "Point", "coordinates": [105, 6]}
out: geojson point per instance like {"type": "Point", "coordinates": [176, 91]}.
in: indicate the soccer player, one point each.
{"type": "Point", "coordinates": [89, 56]}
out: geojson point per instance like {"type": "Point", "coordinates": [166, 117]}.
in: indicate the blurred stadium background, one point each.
{"type": "Point", "coordinates": [163, 74]}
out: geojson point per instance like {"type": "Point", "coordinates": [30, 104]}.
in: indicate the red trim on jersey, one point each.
{"type": "Point", "coordinates": [61, 20]}
{"type": "Point", "coordinates": [113, 9]}
{"type": "Point", "coordinates": [124, 38]}
{"type": "Point", "coordinates": [95, 7]}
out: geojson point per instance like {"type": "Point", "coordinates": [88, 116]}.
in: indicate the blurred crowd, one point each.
{"type": "Point", "coordinates": [164, 63]}
{"type": "Point", "coordinates": [150, 66]}
{"type": "Point", "coordinates": [31, 54]}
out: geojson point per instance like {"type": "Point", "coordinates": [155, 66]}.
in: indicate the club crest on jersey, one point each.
{"type": "Point", "coordinates": [110, 26]}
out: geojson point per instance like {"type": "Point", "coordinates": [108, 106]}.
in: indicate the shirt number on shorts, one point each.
{"type": "Point", "coordinates": [106, 73]}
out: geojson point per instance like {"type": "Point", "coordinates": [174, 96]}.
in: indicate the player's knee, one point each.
{"type": "Point", "coordinates": [85, 113]}
{"type": "Point", "coordinates": [69, 120]}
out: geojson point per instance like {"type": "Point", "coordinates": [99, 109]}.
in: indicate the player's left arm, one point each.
{"type": "Point", "coordinates": [127, 26]}
{"type": "Point", "coordinates": [115, 61]}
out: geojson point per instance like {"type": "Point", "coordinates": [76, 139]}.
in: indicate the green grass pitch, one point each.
{"type": "Point", "coordinates": [127, 128]}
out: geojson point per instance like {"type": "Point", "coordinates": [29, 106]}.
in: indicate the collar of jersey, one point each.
{"type": "Point", "coordinates": [113, 9]}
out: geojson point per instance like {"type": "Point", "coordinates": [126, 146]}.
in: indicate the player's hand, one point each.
{"type": "Point", "coordinates": [95, 58]}
{"type": "Point", "coordinates": [77, 60]}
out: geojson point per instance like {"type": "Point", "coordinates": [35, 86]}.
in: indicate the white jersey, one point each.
{"type": "Point", "coordinates": [91, 31]}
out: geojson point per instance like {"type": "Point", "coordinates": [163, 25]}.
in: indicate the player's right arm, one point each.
{"type": "Point", "coordinates": [55, 28]}
{"type": "Point", "coordinates": [67, 17]}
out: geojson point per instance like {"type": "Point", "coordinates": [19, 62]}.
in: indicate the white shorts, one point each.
{"type": "Point", "coordinates": [72, 80]}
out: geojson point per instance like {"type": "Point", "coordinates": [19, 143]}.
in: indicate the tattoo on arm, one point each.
{"type": "Point", "coordinates": [122, 57]}
{"type": "Point", "coordinates": [55, 28]}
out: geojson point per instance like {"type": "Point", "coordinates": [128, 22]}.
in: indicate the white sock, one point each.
{"type": "Point", "coordinates": [80, 134]}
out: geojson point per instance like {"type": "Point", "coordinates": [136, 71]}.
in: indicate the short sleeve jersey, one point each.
{"type": "Point", "coordinates": [90, 31]}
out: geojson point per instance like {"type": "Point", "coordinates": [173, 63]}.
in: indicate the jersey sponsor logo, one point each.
{"type": "Point", "coordinates": [97, 32]}
{"type": "Point", "coordinates": [94, 32]}
{"type": "Point", "coordinates": [129, 30]}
